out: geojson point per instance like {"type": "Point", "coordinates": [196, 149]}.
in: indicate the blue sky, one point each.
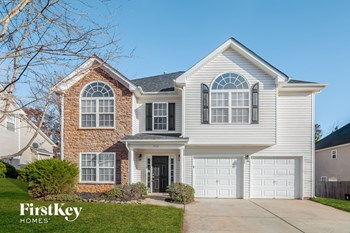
{"type": "Point", "coordinates": [308, 40]}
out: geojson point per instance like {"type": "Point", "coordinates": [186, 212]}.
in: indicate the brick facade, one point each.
{"type": "Point", "coordinates": [78, 140]}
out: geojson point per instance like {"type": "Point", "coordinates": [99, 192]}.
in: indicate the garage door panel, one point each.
{"type": "Point", "coordinates": [222, 177]}
{"type": "Point", "coordinates": [275, 178]}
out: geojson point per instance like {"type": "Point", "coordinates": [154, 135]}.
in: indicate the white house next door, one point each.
{"type": "Point", "coordinates": [275, 178]}
{"type": "Point", "coordinates": [217, 177]}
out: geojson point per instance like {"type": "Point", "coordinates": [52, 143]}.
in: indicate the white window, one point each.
{"type": "Point", "coordinates": [97, 167]}
{"type": "Point", "coordinates": [230, 99]}
{"type": "Point", "coordinates": [334, 154]}
{"type": "Point", "coordinates": [160, 116]}
{"type": "Point", "coordinates": [11, 123]}
{"type": "Point", "coordinates": [323, 178]}
{"type": "Point", "coordinates": [97, 106]}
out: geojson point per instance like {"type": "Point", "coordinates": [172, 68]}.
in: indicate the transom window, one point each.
{"type": "Point", "coordinates": [97, 167]}
{"type": "Point", "coordinates": [160, 116]}
{"type": "Point", "coordinates": [97, 106]}
{"type": "Point", "coordinates": [230, 99]}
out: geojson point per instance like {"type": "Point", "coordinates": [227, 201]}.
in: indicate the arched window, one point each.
{"type": "Point", "coordinates": [230, 99]}
{"type": "Point", "coordinates": [97, 106]}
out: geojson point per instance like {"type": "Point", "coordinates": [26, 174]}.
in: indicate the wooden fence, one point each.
{"type": "Point", "coordinates": [330, 189]}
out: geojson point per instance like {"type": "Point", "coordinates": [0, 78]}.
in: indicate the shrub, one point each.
{"type": "Point", "coordinates": [141, 189]}
{"type": "Point", "coordinates": [11, 171]}
{"type": "Point", "coordinates": [127, 192]}
{"type": "Point", "coordinates": [3, 170]}
{"type": "Point", "coordinates": [49, 177]}
{"type": "Point", "coordinates": [63, 198]}
{"type": "Point", "coordinates": [114, 193]}
{"type": "Point", "coordinates": [181, 193]}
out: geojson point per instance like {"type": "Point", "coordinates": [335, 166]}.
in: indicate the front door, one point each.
{"type": "Point", "coordinates": [160, 172]}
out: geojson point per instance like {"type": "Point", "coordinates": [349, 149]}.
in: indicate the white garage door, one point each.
{"type": "Point", "coordinates": [218, 177]}
{"type": "Point", "coordinates": [275, 178]}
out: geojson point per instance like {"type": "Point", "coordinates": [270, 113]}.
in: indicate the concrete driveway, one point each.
{"type": "Point", "coordinates": [236, 215]}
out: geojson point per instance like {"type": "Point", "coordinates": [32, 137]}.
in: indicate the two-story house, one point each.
{"type": "Point", "coordinates": [232, 126]}
{"type": "Point", "coordinates": [16, 131]}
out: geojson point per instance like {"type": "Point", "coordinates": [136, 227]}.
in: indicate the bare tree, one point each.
{"type": "Point", "coordinates": [318, 132]}
{"type": "Point", "coordinates": [40, 39]}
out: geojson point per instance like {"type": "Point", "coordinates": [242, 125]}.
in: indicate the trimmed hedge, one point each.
{"type": "Point", "coordinates": [50, 177]}
{"type": "Point", "coordinates": [181, 193]}
{"type": "Point", "coordinates": [127, 192]}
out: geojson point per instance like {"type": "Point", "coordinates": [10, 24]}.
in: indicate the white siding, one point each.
{"type": "Point", "coordinates": [135, 116]}
{"type": "Point", "coordinates": [140, 110]}
{"type": "Point", "coordinates": [294, 130]}
{"type": "Point", "coordinates": [263, 133]}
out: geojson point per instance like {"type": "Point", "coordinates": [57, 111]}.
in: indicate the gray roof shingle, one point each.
{"type": "Point", "coordinates": [146, 136]}
{"type": "Point", "coordinates": [158, 83]}
{"type": "Point", "coordinates": [299, 81]}
{"type": "Point", "coordinates": [339, 137]}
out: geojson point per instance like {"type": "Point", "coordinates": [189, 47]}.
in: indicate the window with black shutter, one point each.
{"type": "Point", "coordinates": [205, 104]}
{"type": "Point", "coordinates": [149, 116]}
{"type": "Point", "coordinates": [171, 119]}
{"type": "Point", "coordinates": [255, 103]}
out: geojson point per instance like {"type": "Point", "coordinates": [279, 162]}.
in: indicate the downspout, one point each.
{"type": "Point", "coordinates": [183, 109]}
{"type": "Point", "coordinates": [62, 126]}
{"type": "Point", "coordinates": [313, 145]}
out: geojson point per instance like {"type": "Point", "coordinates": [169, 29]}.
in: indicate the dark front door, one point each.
{"type": "Point", "coordinates": [160, 173]}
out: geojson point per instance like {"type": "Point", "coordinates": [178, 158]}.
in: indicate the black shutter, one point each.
{"type": "Point", "coordinates": [255, 103]}
{"type": "Point", "coordinates": [205, 104]}
{"type": "Point", "coordinates": [149, 111]}
{"type": "Point", "coordinates": [171, 111]}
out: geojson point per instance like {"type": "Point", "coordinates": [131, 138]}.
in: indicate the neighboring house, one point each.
{"type": "Point", "coordinates": [333, 156]}
{"type": "Point", "coordinates": [16, 131]}
{"type": "Point", "coordinates": [232, 126]}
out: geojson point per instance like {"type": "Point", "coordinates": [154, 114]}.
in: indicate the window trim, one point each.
{"type": "Point", "coordinates": [14, 123]}
{"type": "Point", "coordinates": [97, 106]}
{"type": "Point", "coordinates": [97, 169]}
{"type": "Point", "coordinates": [167, 117]}
{"type": "Point", "coordinates": [336, 154]}
{"type": "Point", "coordinates": [230, 91]}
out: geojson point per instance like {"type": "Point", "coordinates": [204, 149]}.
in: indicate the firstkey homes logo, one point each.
{"type": "Point", "coordinates": [41, 214]}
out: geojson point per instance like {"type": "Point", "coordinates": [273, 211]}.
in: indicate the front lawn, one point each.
{"type": "Point", "coordinates": [94, 217]}
{"type": "Point", "coordinates": [339, 204]}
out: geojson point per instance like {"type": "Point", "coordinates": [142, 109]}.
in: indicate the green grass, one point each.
{"type": "Point", "coordinates": [339, 204]}
{"type": "Point", "coordinates": [94, 217]}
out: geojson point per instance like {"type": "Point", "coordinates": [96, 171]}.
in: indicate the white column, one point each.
{"type": "Point", "coordinates": [131, 165]}
{"type": "Point", "coordinates": [182, 178]}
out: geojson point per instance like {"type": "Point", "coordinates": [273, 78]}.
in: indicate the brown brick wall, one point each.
{"type": "Point", "coordinates": [98, 140]}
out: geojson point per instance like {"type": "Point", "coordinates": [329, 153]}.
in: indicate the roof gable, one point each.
{"type": "Point", "coordinates": [245, 52]}
{"type": "Point", "coordinates": [86, 67]}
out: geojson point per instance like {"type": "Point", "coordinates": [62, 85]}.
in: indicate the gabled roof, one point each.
{"type": "Point", "coordinates": [88, 65]}
{"type": "Point", "coordinates": [31, 123]}
{"type": "Point", "coordinates": [338, 137]}
{"type": "Point", "coordinates": [158, 83]}
{"type": "Point", "coordinates": [244, 51]}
